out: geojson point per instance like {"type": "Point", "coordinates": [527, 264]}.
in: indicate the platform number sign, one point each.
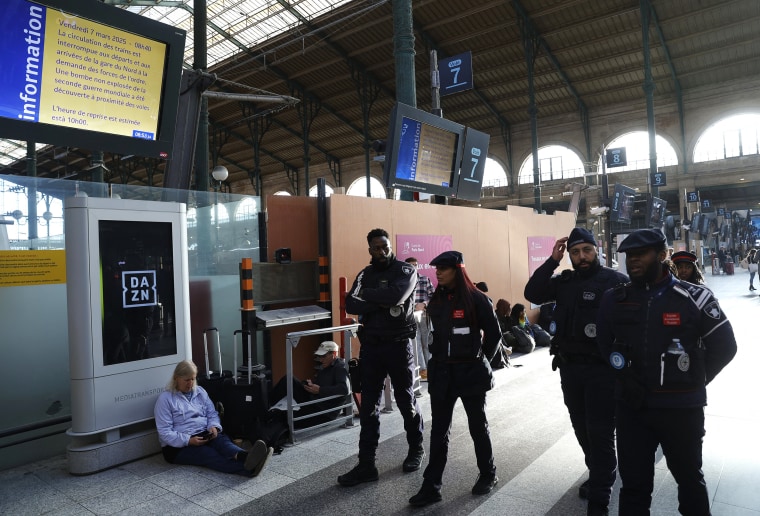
{"type": "Point", "coordinates": [455, 73]}
{"type": "Point", "coordinates": [721, 212]}
{"type": "Point", "coordinates": [658, 179]}
{"type": "Point", "coordinates": [139, 288]}
{"type": "Point", "coordinates": [705, 203]}
{"type": "Point", "coordinates": [692, 197]}
{"type": "Point", "coordinates": [616, 157]}
{"type": "Point", "coordinates": [473, 164]}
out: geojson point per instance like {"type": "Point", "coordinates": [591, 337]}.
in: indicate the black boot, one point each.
{"type": "Point", "coordinates": [428, 494]}
{"type": "Point", "coordinates": [583, 490]}
{"type": "Point", "coordinates": [485, 484]}
{"type": "Point", "coordinates": [413, 460]}
{"type": "Point", "coordinates": [597, 509]}
{"type": "Point", "coordinates": [365, 471]}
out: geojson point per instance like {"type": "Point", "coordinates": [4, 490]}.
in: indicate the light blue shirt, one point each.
{"type": "Point", "coordinates": [178, 419]}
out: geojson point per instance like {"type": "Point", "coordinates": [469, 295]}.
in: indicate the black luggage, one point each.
{"type": "Point", "coordinates": [245, 396]}
{"type": "Point", "coordinates": [213, 380]}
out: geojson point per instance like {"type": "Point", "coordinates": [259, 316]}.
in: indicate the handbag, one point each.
{"type": "Point", "coordinates": [752, 267]}
{"type": "Point", "coordinates": [744, 264]}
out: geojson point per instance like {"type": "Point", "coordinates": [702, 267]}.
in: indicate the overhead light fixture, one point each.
{"type": "Point", "coordinates": [220, 173]}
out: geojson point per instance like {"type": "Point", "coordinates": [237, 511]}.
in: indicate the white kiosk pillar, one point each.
{"type": "Point", "coordinates": [129, 324]}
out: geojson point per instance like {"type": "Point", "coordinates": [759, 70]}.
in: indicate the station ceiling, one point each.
{"type": "Point", "coordinates": [337, 58]}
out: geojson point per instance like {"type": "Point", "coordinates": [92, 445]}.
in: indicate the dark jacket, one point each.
{"type": "Point", "coordinates": [333, 379]}
{"type": "Point", "coordinates": [461, 355]}
{"type": "Point", "coordinates": [578, 296]}
{"type": "Point", "coordinates": [637, 324]}
{"type": "Point", "coordinates": [383, 298]}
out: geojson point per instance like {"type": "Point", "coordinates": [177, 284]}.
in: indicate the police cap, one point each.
{"type": "Point", "coordinates": [448, 259]}
{"type": "Point", "coordinates": [642, 238]}
{"type": "Point", "coordinates": [684, 256]}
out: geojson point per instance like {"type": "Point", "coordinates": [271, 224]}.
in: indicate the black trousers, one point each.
{"type": "Point", "coordinates": [381, 358]}
{"type": "Point", "coordinates": [442, 408]}
{"type": "Point", "coordinates": [589, 394]}
{"type": "Point", "coordinates": [679, 432]}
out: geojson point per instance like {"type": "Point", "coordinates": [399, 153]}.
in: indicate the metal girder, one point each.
{"type": "Point", "coordinates": [335, 170]}
{"type": "Point", "coordinates": [257, 126]}
{"type": "Point", "coordinates": [368, 91]}
{"type": "Point", "coordinates": [676, 86]}
{"type": "Point", "coordinates": [291, 83]}
{"type": "Point", "coordinates": [292, 174]}
{"type": "Point", "coordinates": [308, 109]}
{"type": "Point", "coordinates": [541, 42]}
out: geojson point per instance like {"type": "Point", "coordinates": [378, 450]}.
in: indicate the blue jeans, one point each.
{"type": "Point", "coordinates": [423, 339]}
{"type": "Point", "coordinates": [218, 454]}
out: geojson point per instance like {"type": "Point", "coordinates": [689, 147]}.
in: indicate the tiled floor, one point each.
{"type": "Point", "coordinates": [539, 462]}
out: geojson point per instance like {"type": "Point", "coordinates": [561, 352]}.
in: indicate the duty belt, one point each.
{"type": "Point", "coordinates": [582, 359]}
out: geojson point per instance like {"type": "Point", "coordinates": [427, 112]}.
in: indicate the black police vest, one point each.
{"type": "Point", "coordinates": [645, 330]}
{"type": "Point", "coordinates": [454, 336]}
{"type": "Point", "coordinates": [573, 322]}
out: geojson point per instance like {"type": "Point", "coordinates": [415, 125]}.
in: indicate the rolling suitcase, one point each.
{"type": "Point", "coordinates": [213, 380]}
{"type": "Point", "coordinates": [245, 396]}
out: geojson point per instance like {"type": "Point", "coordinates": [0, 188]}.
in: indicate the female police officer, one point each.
{"type": "Point", "coordinates": [459, 368]}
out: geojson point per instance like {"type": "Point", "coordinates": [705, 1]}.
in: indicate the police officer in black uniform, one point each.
{"type": "Point", "coordinates": [587, 382]}
{"type": "Point", "coordinates": [666, 339]}
{"type": "Point", "coordinates": [459, 368]}
{"type": "Point", "coordinates": [383, 297]}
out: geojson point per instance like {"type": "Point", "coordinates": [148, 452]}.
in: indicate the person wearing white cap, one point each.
{"type": "Point", "coordinates": [331, 379]}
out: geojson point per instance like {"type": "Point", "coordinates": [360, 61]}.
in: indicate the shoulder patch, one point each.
{"type": "Point", "coordinates": [684, 292]}
{"type": "Point", "coordinates": [712, 310]}
{"type": "Point", "coordinates": [408, 269]}
{"type": "Point", "coordinates": [700, 294]}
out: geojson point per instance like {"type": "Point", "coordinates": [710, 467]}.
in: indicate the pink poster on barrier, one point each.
{"type": "Point", "coordinates": [424, 248]}
{"type": "Point", "coordinates": [539, 249]}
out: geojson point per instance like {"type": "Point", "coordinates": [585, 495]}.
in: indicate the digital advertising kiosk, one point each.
{"type": "Point", "coordinates": [129, 324]}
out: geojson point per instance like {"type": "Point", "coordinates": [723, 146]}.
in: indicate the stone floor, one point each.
{"type": "Point", "coordinates": [538, 460]}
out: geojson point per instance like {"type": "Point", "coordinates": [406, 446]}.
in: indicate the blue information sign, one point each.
{"type": "Point", "coordinates": [692, 197]}
{"type": "Point", "coordinates": [455, 73]}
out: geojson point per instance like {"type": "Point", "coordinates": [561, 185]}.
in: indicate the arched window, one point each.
{"type": "Point", "coordinates": [219, 211]}
{"type": "Point", "coordinates": [554, 162]}
{"type": "Point", "coordinates": [192, 217]}
{"type": "Point", "coordinates": [359, 188]}
{"type": "Point", "coordinates": [246, 209]}
{"type": "Point", "coordinates": [282, 192]}
{"type": "Point", "coordinates": [636, 146]}
{"type": "Point", "coordinates": [313, 191]}
{"type": "Point", "coordinates": [730, 137]}
{"type": "Point", "coordinates": [494, 174]}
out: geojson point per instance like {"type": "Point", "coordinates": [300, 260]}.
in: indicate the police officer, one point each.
{"type": "Point", "coordinates": [383, 297]}
{"type": "Point", "coordinates": [459, 368]}
{"type": "Point", "coordinates": [587, 383]}
{"type": "Point", "coordinates": [686, 265]}
{"type": "Point", "coordinates": [666, 339]}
